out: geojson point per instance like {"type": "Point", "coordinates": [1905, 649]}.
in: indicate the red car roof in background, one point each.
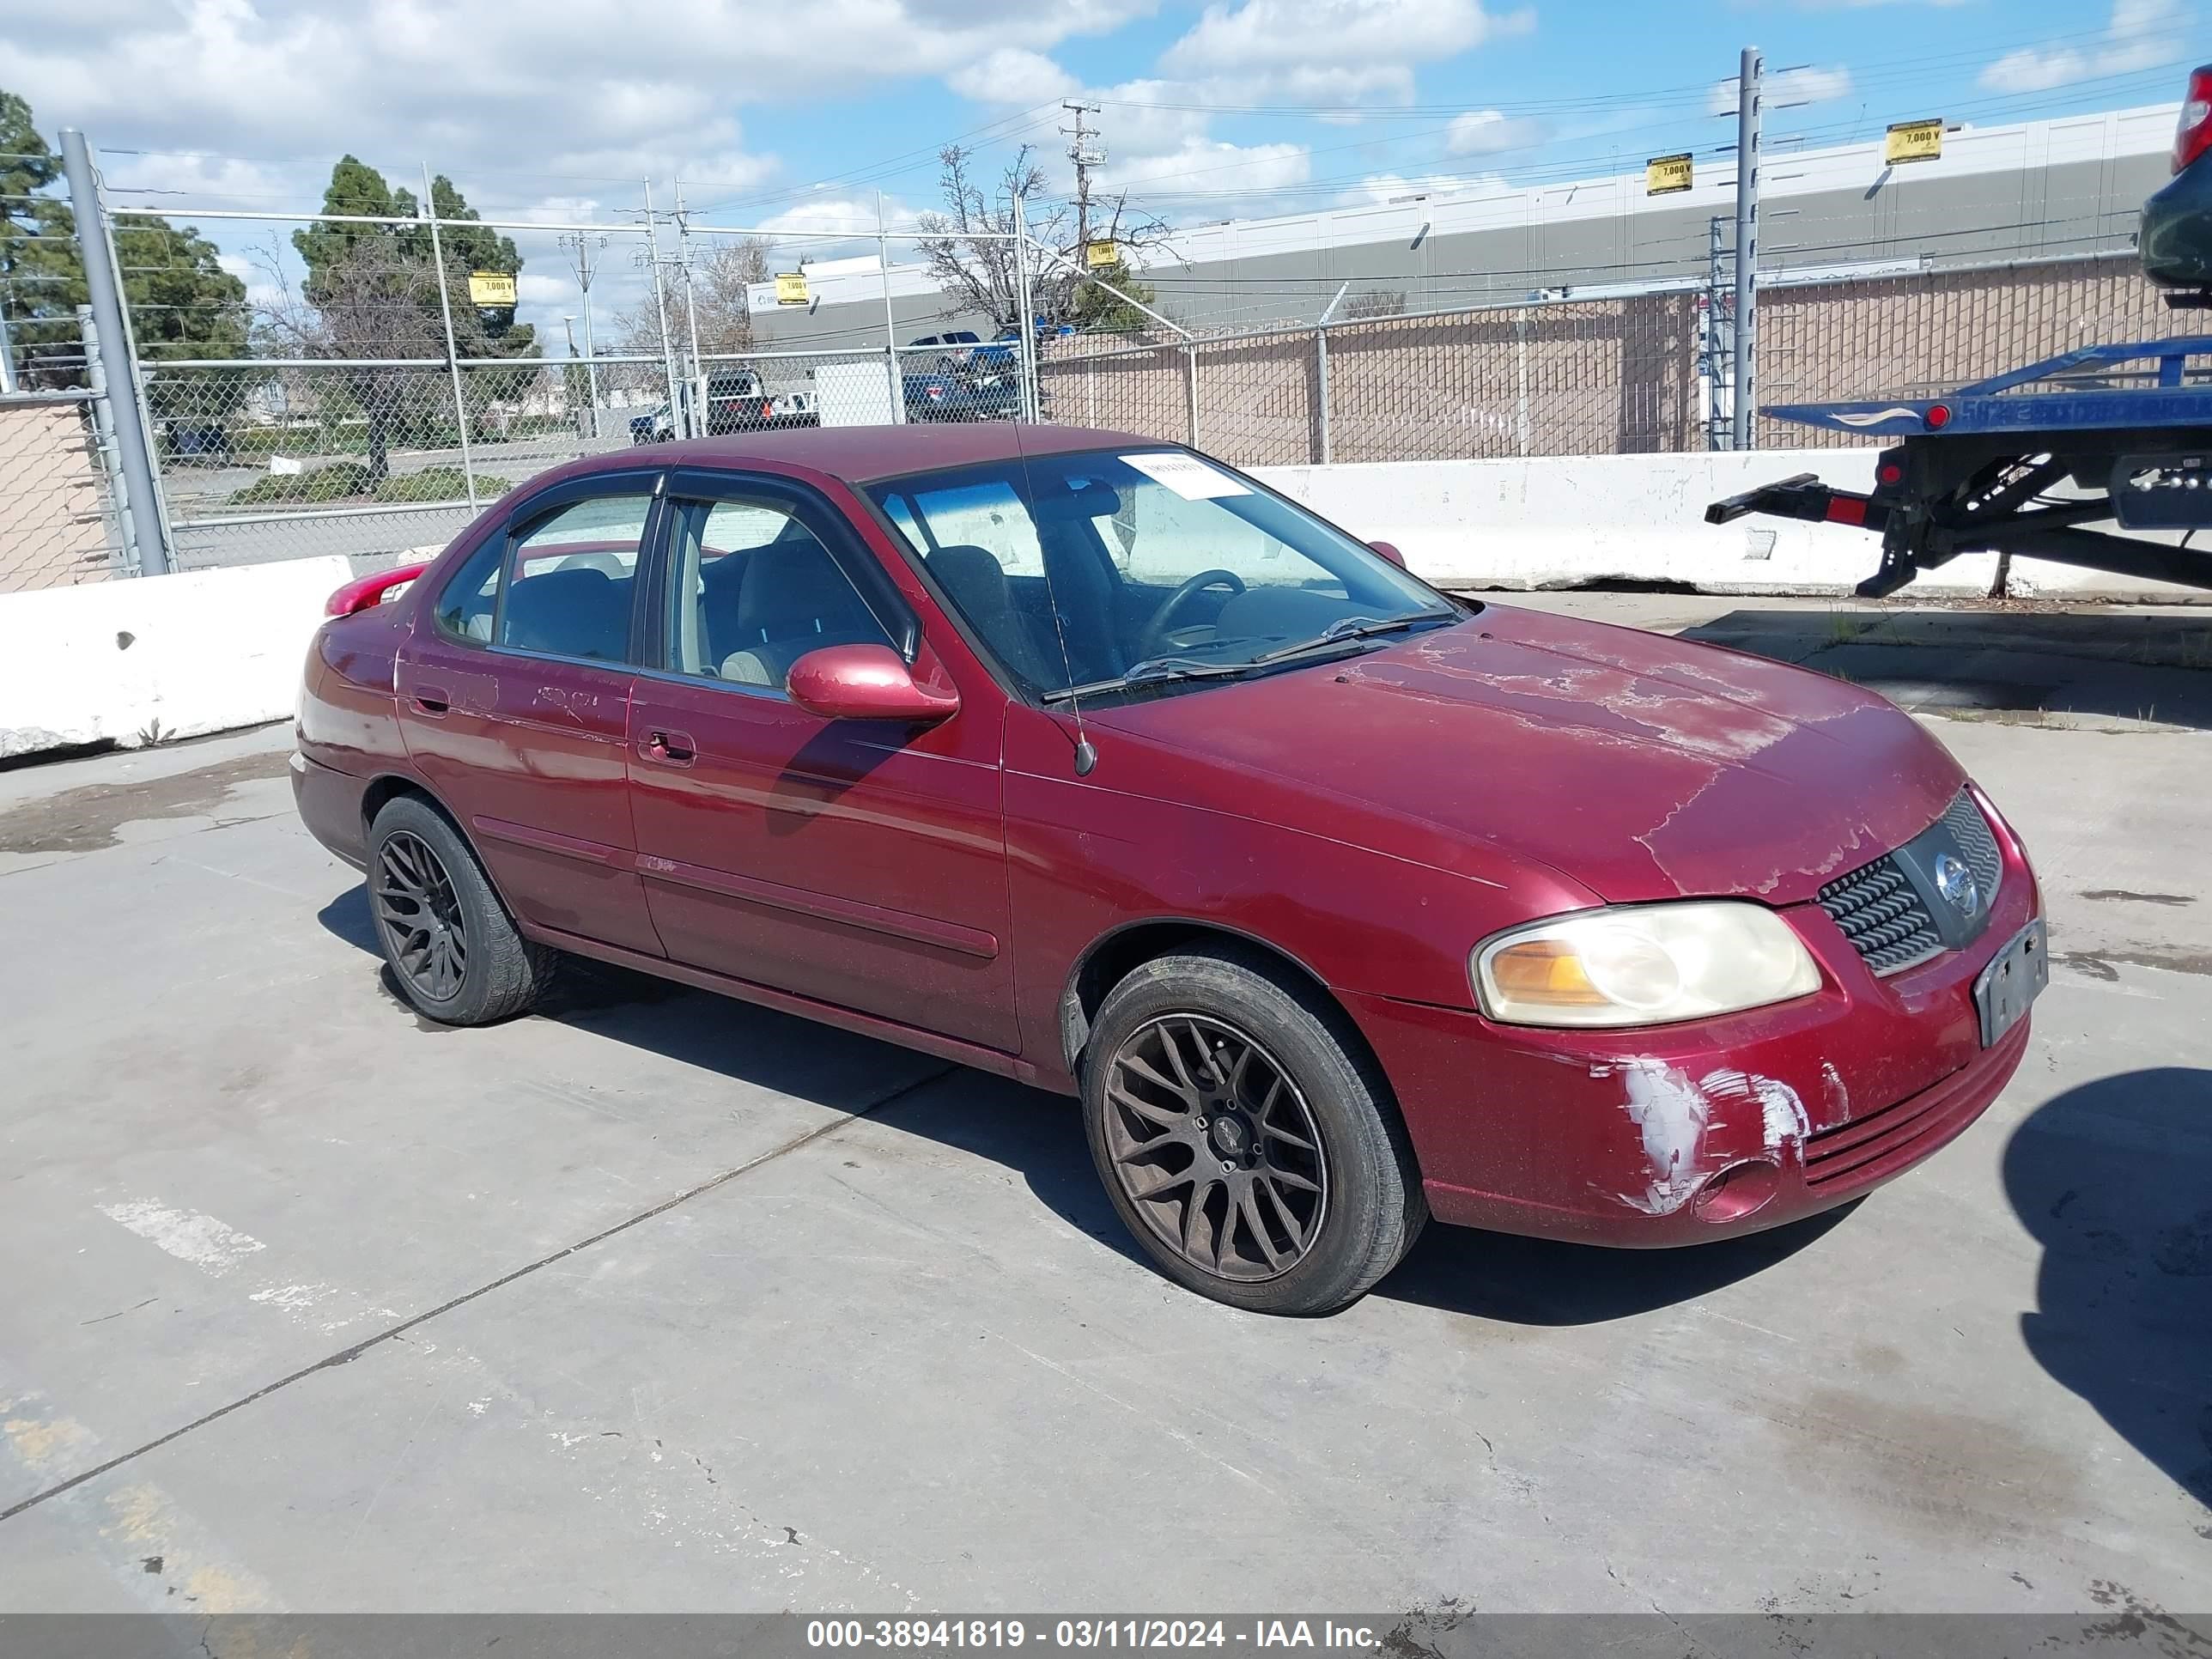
{"type": "Point", "coordinates": [863, 454]}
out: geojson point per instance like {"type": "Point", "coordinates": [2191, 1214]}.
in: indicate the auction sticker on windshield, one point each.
{"type": "Point", "coordinates": [1188, 476]}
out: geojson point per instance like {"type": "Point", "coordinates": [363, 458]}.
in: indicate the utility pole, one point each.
{"type": "Point", "coordinates": [7, 354]}
{"type": "Point", "coordinates": [1086, 155]}
{"type": "Point", "coordinates": [1749, 92]}
{"type": "Point", "coordinates": [690, 311]}
{"type": "Point", "coordinates": [676, 419]}
{"type": "Point", "coordinates": [587, 249]}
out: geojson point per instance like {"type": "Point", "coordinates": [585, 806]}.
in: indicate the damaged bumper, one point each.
{"type": "Point", "coordinates": [1680, 1134]}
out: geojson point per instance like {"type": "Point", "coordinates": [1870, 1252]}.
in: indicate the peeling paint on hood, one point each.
{"type": "Point", "coordinates": [1642, 767]}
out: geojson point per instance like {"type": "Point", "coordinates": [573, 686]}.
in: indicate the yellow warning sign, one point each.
{"type": "Point", "coordinates": [791, 289]}
{"type": "Point", "coordinates": [490, 289]}
{"type": "Point", "coordinates": [1667, 175]}
{"type": "Point", "coordinates": [1914, 141]}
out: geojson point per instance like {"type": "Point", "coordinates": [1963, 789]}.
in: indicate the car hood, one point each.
{"type": "Point", "coordinates": [1642, 766]}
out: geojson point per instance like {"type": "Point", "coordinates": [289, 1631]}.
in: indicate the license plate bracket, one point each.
{"type": "Point", "coordinates": [2014, 977]}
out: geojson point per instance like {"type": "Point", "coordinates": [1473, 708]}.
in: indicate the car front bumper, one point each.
{"type": "Point", "coordinates": [1673, 1135]}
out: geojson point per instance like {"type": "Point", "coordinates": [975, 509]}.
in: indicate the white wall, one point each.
{"type": "Point", "coordinates": [1565, 521]}
{"type": "Point", "coordinates": [158, 658]}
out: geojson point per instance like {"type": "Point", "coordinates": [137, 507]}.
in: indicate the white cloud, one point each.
{"type": "Point", "coordinates": [545, 110]}
{"type": "Point", "coordinates": [1809, 85]}
{"type": "Point", "coordinates": [1485, 132]}
{"type": "Point", "coordinates": [1390, 187]}
{"type": "Point", "coordinates": [2142, 34]}
{"type": "Point", "coordinates": [1212, 166]}
{"type": "Point", "coordinates": [1287, 34]}
{"type": "Point", "coordinates": [1012, 74]}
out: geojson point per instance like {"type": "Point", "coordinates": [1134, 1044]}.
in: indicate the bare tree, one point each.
{"type": "Point", "coordinates": [969, 251]}
{"type": "Point", "coordinates": [716, 290]}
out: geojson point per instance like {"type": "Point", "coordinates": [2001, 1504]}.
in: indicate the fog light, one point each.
{"type": "Point", "coordinates": [1740, 1190]}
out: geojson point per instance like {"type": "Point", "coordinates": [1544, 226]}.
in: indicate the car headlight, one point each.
{"type": "Point", "coordinates": [1643, 965]}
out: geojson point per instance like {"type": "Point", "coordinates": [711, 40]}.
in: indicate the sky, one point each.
{"type": "Point", "coordinates": [792, 114]}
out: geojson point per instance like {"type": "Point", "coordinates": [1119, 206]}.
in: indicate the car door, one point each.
{"type": "Point", "coordinates": [514, 695]}
{"type": "Point", "coordinates": [858, 863]}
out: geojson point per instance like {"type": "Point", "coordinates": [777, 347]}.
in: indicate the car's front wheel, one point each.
{"type": "Point", "coordinates": [1249, 1143]}
{"type": "Point", "coordinates": [455, 952]}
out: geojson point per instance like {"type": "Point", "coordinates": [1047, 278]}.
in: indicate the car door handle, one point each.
{"type": "Point", "coordinates": [668, 747]}
{"type": "Point", "coordinates": [431, 700]}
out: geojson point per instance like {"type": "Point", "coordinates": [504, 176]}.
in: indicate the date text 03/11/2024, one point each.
{"type": "Point", "coordinates": [1085, 1633]}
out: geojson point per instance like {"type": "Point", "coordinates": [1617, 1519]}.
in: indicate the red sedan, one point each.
{"type": "Point", "coordinates": [1341, 901]}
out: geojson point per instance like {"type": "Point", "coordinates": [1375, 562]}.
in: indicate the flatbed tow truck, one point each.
{"type": "Point", "coordinates": [2023, 462]}
{"type": "Point", "coordinates": [1972, 471]}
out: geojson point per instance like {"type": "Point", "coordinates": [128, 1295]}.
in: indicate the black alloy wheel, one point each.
{"type": "Point", "coordinates": [1215, 1148]}
{"type": "Point", "coordinates": [425, 928]}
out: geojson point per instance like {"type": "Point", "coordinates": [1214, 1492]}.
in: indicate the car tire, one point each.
{"type": "Point", "coordinates": [454, 951]}
{"type": "Point", "coordinates": [1294, 1075]}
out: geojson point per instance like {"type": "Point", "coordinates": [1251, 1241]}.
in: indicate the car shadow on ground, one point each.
{"type": "Point", "coordinates": [2016, 666]}
{"type": "Point", "coordinates": [1040, 1137]}
{"type": "Point", "coordinates": [2114, 1179]}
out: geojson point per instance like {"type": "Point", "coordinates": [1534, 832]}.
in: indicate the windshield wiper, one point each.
{"type": "Point", "coordinates": [1153, 671]}
{"type": "Point", "coordinates": [1354, 628]}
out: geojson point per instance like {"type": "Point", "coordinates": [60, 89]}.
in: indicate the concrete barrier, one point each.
{"type": "Point", "coordinates": [1571, 521]}
{"type": "Point", "coordinates": [161, 657]}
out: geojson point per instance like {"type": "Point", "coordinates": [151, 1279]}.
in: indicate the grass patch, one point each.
{"type": "Point", "coordinates": [436, 483]}
{"type": "Point", "coordinates": [351, 482]}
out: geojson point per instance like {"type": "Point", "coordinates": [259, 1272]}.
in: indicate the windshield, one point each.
{"type": "Point", "coordinates": [1107, 569]}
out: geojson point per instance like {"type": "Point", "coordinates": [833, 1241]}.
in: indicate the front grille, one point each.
{"type": "Point", "coordinates": [1881, 914]}
{"type": "Point", "coordinates": [1976, 844]}
{"type": "Point", "coordinates": [1885, 913]}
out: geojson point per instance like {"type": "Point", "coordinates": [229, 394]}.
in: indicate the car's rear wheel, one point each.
{"type": "Point", "coordinates": [1246, 1140]}
{"type": "Point", "coordinates": [455, 953]}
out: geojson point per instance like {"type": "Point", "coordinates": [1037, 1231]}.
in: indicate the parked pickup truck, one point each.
{"type": "Point", "coordinates": [736, 401]}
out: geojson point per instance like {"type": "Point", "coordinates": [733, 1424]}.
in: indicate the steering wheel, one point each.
{"type": "Point", "coordinates": [1155, 634]}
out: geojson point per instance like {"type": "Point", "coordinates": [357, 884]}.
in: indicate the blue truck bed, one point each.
{"type": "Point", "coordinates": [2023, 462]}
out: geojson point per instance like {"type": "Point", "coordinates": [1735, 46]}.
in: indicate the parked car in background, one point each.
{"type": "Point", "coordinates": [958, 345]}
{"type": "Point", "coordinates": [207, 442]}
{"type": "Point", "coordinates": [1341, 901]}
{"type": "Point", "coordinates": [736, 401]}
{"type": "Point", "coordinates": [2176, 223]}
{"type": "Point", "coordinates": [951, 395]}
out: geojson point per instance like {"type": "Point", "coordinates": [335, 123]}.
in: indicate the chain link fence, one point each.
{"type": "Point", "coordinates": [1613, 376]}
{"type": "Point", "coordinates": [1931, 332]}
{"type": "Point", "coordinates": [58, 522]}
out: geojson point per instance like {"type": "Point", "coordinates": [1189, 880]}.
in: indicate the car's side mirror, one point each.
{"type": "Point", "coordinates": [865, 683]}
{"type": "Point", "coordinates": [1389, 551]}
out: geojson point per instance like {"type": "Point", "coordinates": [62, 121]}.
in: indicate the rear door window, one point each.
{"type": "Point", "coordinates": [569, 580]}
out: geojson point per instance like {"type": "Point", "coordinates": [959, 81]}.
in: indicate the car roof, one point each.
{"type": "Point", "coordinates": [863, 454]}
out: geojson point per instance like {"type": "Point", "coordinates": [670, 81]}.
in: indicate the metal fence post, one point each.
{"type": "Point", "coordinates": [133, 441]}
{"type": "Point", "coordinates": [103, 442]}
{"type": "Point", "coordinates": [1320, 387]}
{"type": "Point", "coordinates": [1190, 368]}
{"type": "Point", "coordinates": [1321, 367]}
{"type": "Point", "coordinates": [452, 354]}
{"type": "Point", "coordinates": [897, 386]}
{"type": "Point", "coordinates": [1031, 405]}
